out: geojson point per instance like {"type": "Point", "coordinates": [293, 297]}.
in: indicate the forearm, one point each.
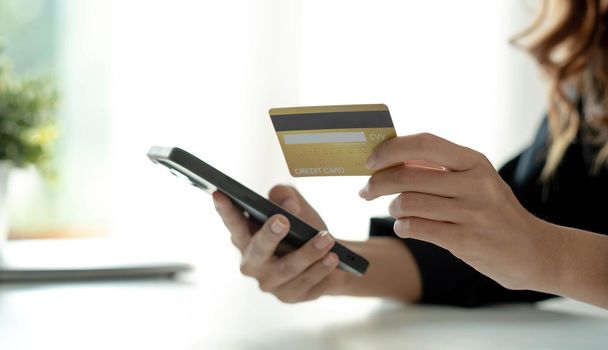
{"type": "Point", "coordinates": [578, 264]}
{"type": "Point", "coordinates": [392, 271]}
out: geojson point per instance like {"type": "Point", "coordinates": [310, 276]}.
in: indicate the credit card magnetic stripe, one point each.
{"type": "Point", "coordinates": [333, 120]}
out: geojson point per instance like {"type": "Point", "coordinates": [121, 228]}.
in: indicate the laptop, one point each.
{"type": "Point", "coordinates": [84, 259]}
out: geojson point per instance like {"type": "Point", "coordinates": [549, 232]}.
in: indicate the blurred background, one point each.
{"type": "Point", "coordinates": [202, 75]}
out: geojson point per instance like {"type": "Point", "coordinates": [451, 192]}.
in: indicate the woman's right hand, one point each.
{"type": "Point", "coordinates": [301, 275]}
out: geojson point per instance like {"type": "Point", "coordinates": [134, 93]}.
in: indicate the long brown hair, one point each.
{"type": "Point", "coordinates": [569, 39]}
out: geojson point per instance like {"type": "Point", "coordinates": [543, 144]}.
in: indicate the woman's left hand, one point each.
{"type": "Point", "coordinates": [467, 209]}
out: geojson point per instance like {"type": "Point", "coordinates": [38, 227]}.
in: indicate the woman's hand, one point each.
{"type": "Point", "coordinates": [302, 275]}
{"type": "Point", "coordinates": [467, 209]}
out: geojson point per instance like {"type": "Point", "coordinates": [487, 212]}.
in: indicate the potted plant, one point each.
{"type": "Point", "coordinates": [27, 128]}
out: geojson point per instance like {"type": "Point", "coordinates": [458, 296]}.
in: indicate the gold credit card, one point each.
{"type": "Point", "coordinates": [331, 140]}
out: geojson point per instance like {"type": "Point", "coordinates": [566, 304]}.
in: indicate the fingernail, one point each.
{"type": "Point", "coordinates": [323, 240]}
{"type": "Point", "coordinates": [364, 192]}
{"type": "Point", "coordinates": [278, 226]}
{"type": "Point", "coordinates": [371, 161]}
{"type": "Point", "coordinates": [401, 226]}
{"type": "Point", "coordinates": [329, 260]}
{"type": "Point", "coordinates": [291, 206]}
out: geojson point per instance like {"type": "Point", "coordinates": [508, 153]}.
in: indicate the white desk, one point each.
{"type": "Point", "coordinates": [215, 309]}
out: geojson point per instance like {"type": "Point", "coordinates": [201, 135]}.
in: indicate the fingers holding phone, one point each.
{"type": "Point", "coordinates": [303, 274]}
{"type": "Point", "coordinates": [285, 200]}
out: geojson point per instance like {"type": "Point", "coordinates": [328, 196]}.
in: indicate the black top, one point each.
{"type": "Point", "coordinates": [574, 197]}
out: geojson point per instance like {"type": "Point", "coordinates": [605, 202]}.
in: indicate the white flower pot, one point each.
{"type": "Point", "coordinates": [5, 167]}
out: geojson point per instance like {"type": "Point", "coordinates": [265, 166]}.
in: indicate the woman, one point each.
{"type": "Point", "coordinates": [471, 235]}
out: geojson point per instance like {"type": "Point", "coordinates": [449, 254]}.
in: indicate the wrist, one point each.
{"type": "Point", "coordinates": [551, 257]}
{"type": "Point", "coordinates": [346, 284]}
{"type": "Point", "coordinates": [392, 271]}
{"type": "Point", "coordinates": [347, 281]}
{"type": "Point", "coordinates": [574, 264]}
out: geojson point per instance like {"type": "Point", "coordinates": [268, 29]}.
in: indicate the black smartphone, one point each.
{"type": "Point", "coordinates": [204, 176]}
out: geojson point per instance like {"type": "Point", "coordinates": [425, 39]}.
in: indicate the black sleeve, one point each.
{"type": "Point", "coordinates": [447, 279]}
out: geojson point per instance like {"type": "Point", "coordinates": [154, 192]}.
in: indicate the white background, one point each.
{"type": "Point", "coordinates": [202, 74]}
{"type": "Point", "coordinates": [205, 75]}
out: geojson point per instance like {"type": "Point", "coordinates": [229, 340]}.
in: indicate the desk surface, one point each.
{"type": "Point", "coordinates": [162, 314]}
{"type": "Point", "coordinates": [215, 309]}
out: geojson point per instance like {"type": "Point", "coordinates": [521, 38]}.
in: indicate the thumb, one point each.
{"type": "Point", "coordinates": [291, 205]}
{"type": "Point", "coordinates": [286, 197]}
